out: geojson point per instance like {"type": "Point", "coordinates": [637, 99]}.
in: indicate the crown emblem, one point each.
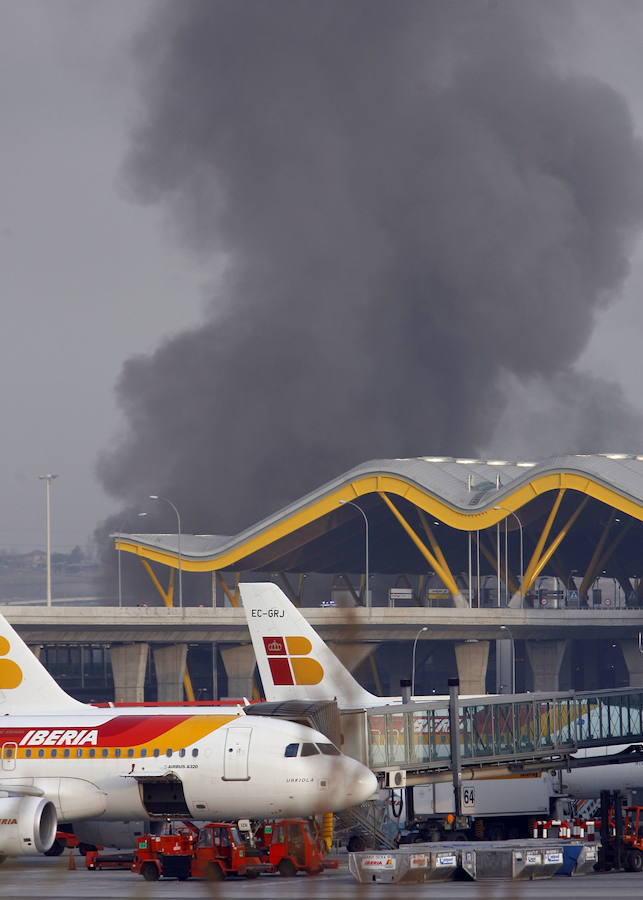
{"type": "Point", "coordinates": [275, 647]}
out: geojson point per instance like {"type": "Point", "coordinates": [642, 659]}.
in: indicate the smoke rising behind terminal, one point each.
{"type": "Point", "coordinates": [413, 212]}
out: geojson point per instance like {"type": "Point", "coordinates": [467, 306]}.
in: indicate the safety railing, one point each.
{"type": "Point", "coordinates": [495, 729]}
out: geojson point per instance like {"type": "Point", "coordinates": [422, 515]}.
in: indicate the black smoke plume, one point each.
{"type": "Point", "coordinates": [405, 205]}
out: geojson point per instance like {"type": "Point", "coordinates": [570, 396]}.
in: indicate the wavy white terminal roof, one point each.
{"type": "Point", "coordinates": [463, 493]}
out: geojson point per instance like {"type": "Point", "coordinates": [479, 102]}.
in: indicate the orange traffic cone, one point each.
{"type": "Point", "coordinates": [72, 861]}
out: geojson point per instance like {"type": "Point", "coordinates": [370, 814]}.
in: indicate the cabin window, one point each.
{"type": "Point", "coordinates": [66, 752]}
{"type": "Point", "coordinates": [143, 752]}
{"type": "Point", "coordinates": [291, 750]}
{"type": "Point", "coordinates": [182, 751]}
{"type": "Point", "coordinates": [117, 752]}
{"type": "Point", "coordinates": [329, 749]}
{"type": "Point", "coordinates": [79, 752]}
{"type": "Point", "coordinates": [195, 751]}
{"type": "Point", "coordinates": [28, 754]}
{"type": "Point", "coordinates": [104, 752]}
{"type": "Point", "coordinates": [8, 752]}
{"type": "Point", "coordinates": [92, 752]}
{"type": "Point", "coordinates": [169, 751]}
{"type": "Point", "coordinates": [156, 752]}
{"type": "Point", "coordinates": [309, 750]}
{"type": "Point", "coordinates": [54, 754]}
{"type": "Point", "coordinates": [41, 753]}
{"type": "Point", "coordinates": [130, 751]}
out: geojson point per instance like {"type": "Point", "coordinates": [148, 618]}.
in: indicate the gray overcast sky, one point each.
{"type": "Point", "coordinates": [91, 278]}
{"type": "Point", "coordinates": [608, 43]}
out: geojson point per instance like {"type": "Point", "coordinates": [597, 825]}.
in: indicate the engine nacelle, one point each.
{"type": "Point", "coordinates": [27, 825]}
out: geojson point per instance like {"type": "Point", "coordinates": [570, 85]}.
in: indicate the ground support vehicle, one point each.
{"type": "Point", "coordinates": [221, 851]}
{"type": "Point", "coordinates": [95, 861]}
{"type": "Point", "coordinates": [289, 846]}
{"type": "Point", "coordinates": [622, 841]}
{"type": "Point", "coordinates": [494, 809]}
{"type": "Point", "coordinates": [167, 855]}
{"type": "Point", "coordinates": [213, 852]}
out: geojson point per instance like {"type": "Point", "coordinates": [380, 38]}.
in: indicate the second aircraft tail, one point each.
{"type": "Point", "coordinates": [294, 662]}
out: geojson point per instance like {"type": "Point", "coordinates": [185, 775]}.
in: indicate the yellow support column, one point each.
{"type": "Point", "coordinates": [528, 577]}
{"type": "Point", "coordinates": [593, 567]}
{"type": "Point", "coordinates": [611, 548]}
{"type": "Point", "coordinates": [443, 573]}
{"type": "Point", "coordinates": [232, 595]}
{"type": "Point", "coordinates": [555, 544]}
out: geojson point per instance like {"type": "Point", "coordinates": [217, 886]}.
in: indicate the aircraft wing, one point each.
{"type": "Point", "coordinates": [13, 789]}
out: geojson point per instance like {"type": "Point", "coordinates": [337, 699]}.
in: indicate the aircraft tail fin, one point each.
{"type": "Point", "coordinates": [294, 662]}
{"type": "Point", "coordinates": [25, 685]}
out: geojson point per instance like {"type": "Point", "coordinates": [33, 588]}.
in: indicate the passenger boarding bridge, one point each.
{"type": "Point", "coordinates": [518, 731]}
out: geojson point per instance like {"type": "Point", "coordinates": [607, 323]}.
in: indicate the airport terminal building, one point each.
{"type": "Point", "coordinates": [514, 575]}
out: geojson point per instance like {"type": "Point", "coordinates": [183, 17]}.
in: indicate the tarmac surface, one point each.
{"type": "Point", "coordinates": [51, 878]}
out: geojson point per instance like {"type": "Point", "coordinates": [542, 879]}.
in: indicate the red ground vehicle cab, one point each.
{"type": "Point", "coordinates": [290, 847]}
{"type": "Point", "coordinates": [220, 851]}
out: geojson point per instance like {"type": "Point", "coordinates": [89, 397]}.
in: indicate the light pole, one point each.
{"type": "Point", "coordinates": [178, 523]}
{"type": "Point", "coordinates": [522, 560]}
{"type": "Point", "coordinates": [357, 506]}
{"type": "Point", "coordinates": [120, 576]}
{"type": "Point", "coordinates": [415, 643]}
{"type": "Point", "coordinates": [48, 479]}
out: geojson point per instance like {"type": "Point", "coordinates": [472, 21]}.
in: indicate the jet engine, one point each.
{"type": "Point", "coordinates": [27, 826]}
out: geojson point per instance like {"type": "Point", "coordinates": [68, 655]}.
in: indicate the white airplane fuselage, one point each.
{"type": "Point", "coordinates": [103, 764]}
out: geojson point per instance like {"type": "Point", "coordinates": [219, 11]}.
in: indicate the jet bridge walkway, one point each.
{"type": "Point", "coordinates": [506, 729]}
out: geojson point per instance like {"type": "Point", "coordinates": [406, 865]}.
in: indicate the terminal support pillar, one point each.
{"type": "Point", "coordinates": [472, 658]}
{"type": "Point", "coordinates": [240, 664]}
{"type": "Point", "coordinates": [351, 654]}
{"type": "Point", "coordinates": [587, 652]}
{"type": "Point", "coordinates": [634, 661]}
{"type": "Point", "coordinates": [545, 658]}
{"type": "Point", "coordinates": [505, 666]}
{"type": "Point", "coordinates": [170, 665]}
{"type": "Point", "coordinates": [129, 662]}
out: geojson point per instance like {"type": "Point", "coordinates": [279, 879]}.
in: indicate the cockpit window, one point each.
{"type": "Point", "coordinates": [309, 750]}
{"type": "Point", "coordinates": [329, 749]}
{"type": "Point", "coordinates": [291, 750]}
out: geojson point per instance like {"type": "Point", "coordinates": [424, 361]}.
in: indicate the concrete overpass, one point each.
{"type": "Point", "coordinates": [40, 624]}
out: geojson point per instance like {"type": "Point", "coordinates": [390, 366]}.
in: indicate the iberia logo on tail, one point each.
{"type": "Point", "coordinates": [10, 672]}
{"type": "Point", "coordinates": [289, 661]}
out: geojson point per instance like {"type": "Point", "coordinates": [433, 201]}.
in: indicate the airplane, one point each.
{"type": "Point", "coordinates": [295, 664]}
{"type": "Point", "coordinates": [63, 760]}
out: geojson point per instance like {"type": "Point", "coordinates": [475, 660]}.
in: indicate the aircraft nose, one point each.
{"type": "Point", "coordinates": [365, 785]}
{"type": "Point", "coordinates": [359, 782]}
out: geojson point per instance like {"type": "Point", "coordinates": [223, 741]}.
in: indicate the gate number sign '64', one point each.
{"type": "Point", "coordinates": [468, 799]}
